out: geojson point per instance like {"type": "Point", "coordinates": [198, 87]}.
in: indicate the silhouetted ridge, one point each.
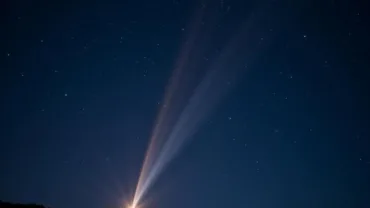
{"type": "Point", "coordinates": [13, 205]}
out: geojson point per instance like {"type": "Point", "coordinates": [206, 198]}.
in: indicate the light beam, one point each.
{"type": "Point", "coordinates": [166, 142]}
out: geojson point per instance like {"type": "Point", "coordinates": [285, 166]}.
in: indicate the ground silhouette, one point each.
{"type": "Point", "coordinates": [15, 205]}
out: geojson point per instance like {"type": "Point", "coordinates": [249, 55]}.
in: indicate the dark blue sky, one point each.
{"type": "Point", "coordinates": [81, 85]}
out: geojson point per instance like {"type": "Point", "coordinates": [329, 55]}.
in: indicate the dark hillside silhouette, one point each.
{"type": "Point", "coordinates": [12, 205]}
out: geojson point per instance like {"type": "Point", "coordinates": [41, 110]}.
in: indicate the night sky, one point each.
{"type": "Point", "coordinates": [82, 84]}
